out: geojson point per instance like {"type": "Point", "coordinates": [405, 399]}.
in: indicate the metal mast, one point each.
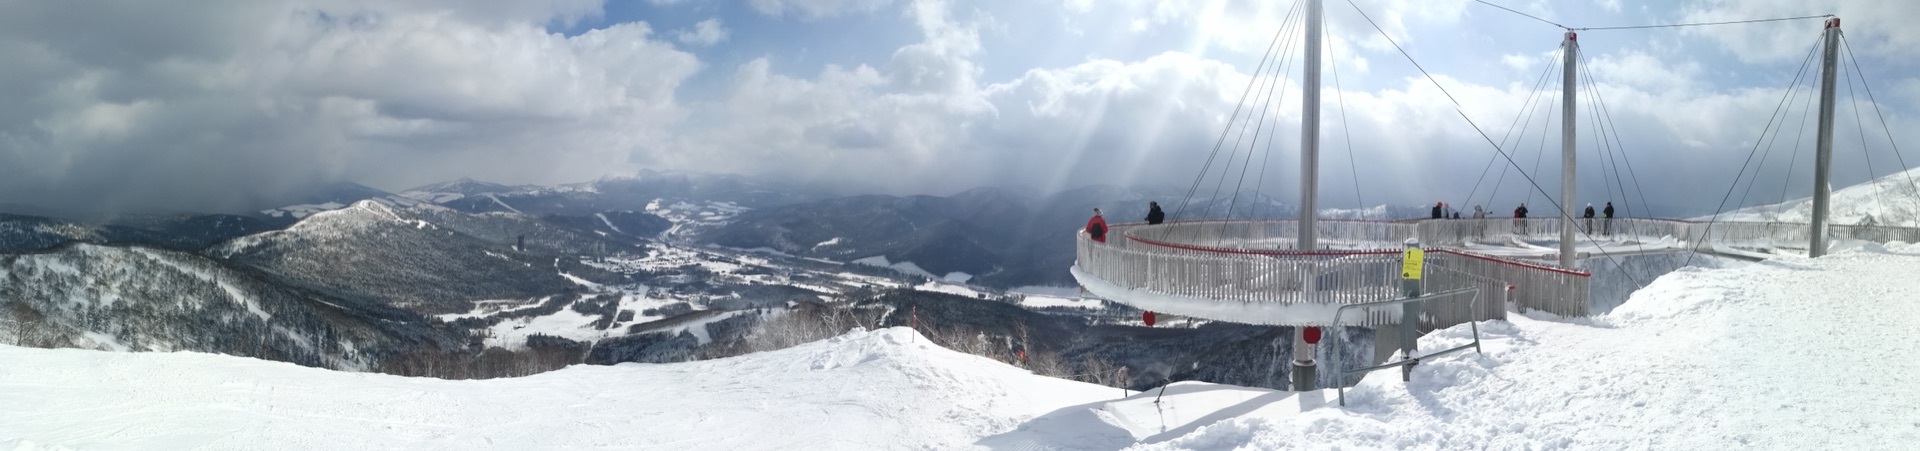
{"type": "Point", "coordinates": [1572, 50]}
{"type": "Point", "coordinates": [1303, 366]}
{"type": "Point", "coordinates": [1310, 127]}
{"type": "Point", "coordinates": [1823, 148]}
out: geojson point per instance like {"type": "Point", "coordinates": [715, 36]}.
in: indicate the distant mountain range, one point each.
{"type": "Point", "coordinates": [475, 279]}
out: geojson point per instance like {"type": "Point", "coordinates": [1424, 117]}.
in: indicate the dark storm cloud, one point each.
{"type": "Point", "coordinates": [135, 105]}
{"type": "Point", "coordinates": [147, 106]}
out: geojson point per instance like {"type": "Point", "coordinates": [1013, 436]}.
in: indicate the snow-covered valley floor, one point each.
{"type": "Point", "coordinates": [1791, 353]}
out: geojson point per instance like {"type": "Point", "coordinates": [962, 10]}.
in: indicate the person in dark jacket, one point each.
{"type": "Point", "coordinates": [1097, 227]}
{"type": "Point", "coordinates": [1587, 218]}
{"type": "Point", "coordinates": [1520, 218]}
{"type": "Point", "coordinates": [1439, 210]}
{"type": "Point", "coordinates": [1606, 225]}
{"type": "Point", "coordinates": [1154, 215]}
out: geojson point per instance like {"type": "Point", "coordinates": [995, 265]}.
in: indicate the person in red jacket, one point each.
{"type": "Point", "coordinates": [1097, 227]}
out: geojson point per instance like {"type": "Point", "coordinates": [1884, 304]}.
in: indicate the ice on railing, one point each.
{"type": "Point", "coordinates": [1267, 313]}
{"type": "Point", "coordinates": [1250, 263]}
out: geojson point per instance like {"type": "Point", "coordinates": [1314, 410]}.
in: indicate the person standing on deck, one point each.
{"type": "Point", "coordinates": [1154, 215]}
{"type": "Point", "coordinates": [1606, 225]}
{"type": "Point", "coordinates": [1438, 210]}
{"type": "Point", "coordinates": [1520, 219]}
{"type": "Point", "coordinates": [1097, 227]}
{"type": "Point", "coordinates": [1588, 217]}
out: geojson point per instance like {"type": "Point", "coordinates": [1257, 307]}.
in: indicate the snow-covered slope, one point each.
{"type": "Point", "coordinates": [141, 299]}
{"type": "Point", "coordinates": [377, 251]}
{"type": "Point", "coordinates": [1792, 353]}
{"type": "Point", "coordinates": [1788, 354]}
{"type": "Point", "coordinates": [887, 389]}
{"type": "Point", "coordinates": [1891, 200]}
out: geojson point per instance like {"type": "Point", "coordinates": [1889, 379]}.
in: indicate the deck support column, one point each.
{"type": "Point", "coordinates": [1572, 53]}
{"type": "Point", "coordinates": [1823, 147]}
{"type": "Point", "coordinates": [1303, 366]}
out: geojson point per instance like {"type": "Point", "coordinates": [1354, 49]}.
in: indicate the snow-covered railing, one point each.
{"type": "Point", "coordinates": [1790, 235]}
{"type": "Point", "coordinates": [1459, 232]}
{"type": "Point", "coordinates": [1766, 235]}
{"type": "Point", "coordinates": [1274, 234]}
{"type": "Point", "coordinates": [1534, 286]}
{"type": "Point", "coordinates": [1254, 262]}
{"type": "Point", "coordinates": [1426, 303]}
{"type": "Point", "coordinates": [1265, 277]}
{"type": "Point", "coordinates": [1875, 233]}
{"type": "Point", "coordinates": [1183, 265]}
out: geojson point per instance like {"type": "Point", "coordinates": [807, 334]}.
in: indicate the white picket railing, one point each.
{"type": "Point", "coordinates": [1359, 261]}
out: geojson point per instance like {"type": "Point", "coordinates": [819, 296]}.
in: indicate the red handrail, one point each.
{"type": "Point", "coordinates": [1129, 235]}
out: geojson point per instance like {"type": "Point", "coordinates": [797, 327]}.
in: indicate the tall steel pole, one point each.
{"type": "Point", "coordinates": [1303, 366]}
{"type": "Point", "coordinates": [1572, 50]}
{"type": "Point", "coordinates": [1310, 127]}
{"type": "Point", "coordinates": [1823, 148]}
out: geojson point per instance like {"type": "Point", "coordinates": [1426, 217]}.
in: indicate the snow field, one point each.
{"type": "Point", "coordinates": [1786, 354]}
{"type": "Point", "coordinates": [887, 389]}
{"type": "Point", "coordinates": [1791, 353]}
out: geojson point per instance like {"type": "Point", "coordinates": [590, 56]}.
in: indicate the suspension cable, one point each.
{"type": "Point", "coordinates": [1632, 27]}
{"type": "Point", "coordinates": [1794, 158]}
{"type": "Point", "coordinates": [1853, 97]}
{"type": "Point", "coordinates": [1545, 124]}
{"type": "Point", "coordinates": [1346, 131]}
{"type": "Point", "coordinates": [1776, 138]}
{"type": "Point", "coordinates": [1708, 231]}
{"type": "Point", "coordinates": [1904, 169]}
{"type": "Point", "coordinates": [1274, 83]}
{"type": "Point", "coordinates": [1529, 16]}
{"type": "Point", "coordinates": [1612, 126]}
{"type": "Point", "coordinates": [1699, 24]}
{"type": "Point", "coordinates": [1565, 215]}
{"type": "Point", "coordinates": [1811, 80]}
{"type": "Point", "coordinates": [1601, 147]}
{"type": "Point", "coordinates": [1540, 152]}
{"type": "Point", "coordinates": [1267, 156]}
{"type": "Point", "coordinates": [1611, 134]}
{"type": "Point", "coordinates": [1204, 168]}
{"type": "Point", "coordinates": [1526, 110]}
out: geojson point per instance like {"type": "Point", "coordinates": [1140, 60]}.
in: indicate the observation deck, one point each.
{"type": "Point", "coordinates": [1245, 271]}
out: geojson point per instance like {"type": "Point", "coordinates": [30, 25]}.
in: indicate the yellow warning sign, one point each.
{"type": "Point", "coordinates": [1410, 263]}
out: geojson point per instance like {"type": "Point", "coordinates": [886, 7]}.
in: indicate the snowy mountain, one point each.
{"type": "Point", "coordinates": [326, 197]}
{"type": "Point", "coordinates": [422, 258]}
{"type": "Point", "coordinates": [21, 233]}
{"type": "Point", "coordinates": [139, 299]}
{"type": "Point", "coordinates": [1891, 200]}
{"type": "Point", "coordinates": [444, 192]}
{"type": "Point", "coordinates": [1795, 358]}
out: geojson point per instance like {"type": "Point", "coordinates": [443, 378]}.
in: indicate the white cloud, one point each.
{"type": "Point", "coordinates": [1863, 21]}
{"type": "Point", "coordinates": [817, 9]}
{"type": "Point", "coordinates": [1644, 71]}
{"type": "Point", "coordinates": [1518, 61]}
{"type": "Point", "coordinates": [214, 106]}
{"type": "Point", "coordinates": [706, 33]}
{"type": "Point", "coordinates": [400, 94]}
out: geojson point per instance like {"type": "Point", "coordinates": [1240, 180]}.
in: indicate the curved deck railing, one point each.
{"type": "Point", "coordinates": [1254, 262]}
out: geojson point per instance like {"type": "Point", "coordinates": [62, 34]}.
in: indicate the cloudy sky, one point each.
{"type": "Point", "coordinates": [215, 104]}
